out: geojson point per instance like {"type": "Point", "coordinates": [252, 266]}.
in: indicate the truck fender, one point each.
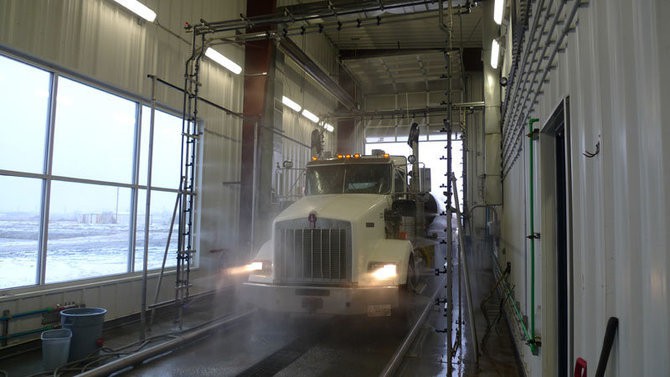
{"type": "Point", "coordinates": [265, 252]}
{"type": "Point", "coordinates": [393, 251]}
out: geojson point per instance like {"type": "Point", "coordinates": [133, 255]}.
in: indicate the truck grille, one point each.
{"type": "Point", "coordinates": [313, 255]}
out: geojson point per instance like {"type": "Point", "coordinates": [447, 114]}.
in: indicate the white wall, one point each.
{"type": "Point", "coordinates": [102, 42]}
{"type": "Point", "coordinates": [611, 70]}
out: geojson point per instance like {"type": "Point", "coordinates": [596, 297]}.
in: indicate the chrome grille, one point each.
{"type": "Point", "coordinates": [313, 255]}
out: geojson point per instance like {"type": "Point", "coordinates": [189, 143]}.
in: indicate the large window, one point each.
{"type": "Point", "coordinates": [94, 134]}
{"type": "Point", "coordinates": [24, 100]}
{"type": "Point", "coordinates": [19, 230]}
{"type": "Point", "coordinates": [71, 203]}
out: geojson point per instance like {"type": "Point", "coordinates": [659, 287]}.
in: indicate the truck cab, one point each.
{"type": "Point", "coordinates": [340, 249]}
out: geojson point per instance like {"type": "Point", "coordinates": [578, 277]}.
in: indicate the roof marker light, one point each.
{"type": "Point", "coordinates": [357, 155]}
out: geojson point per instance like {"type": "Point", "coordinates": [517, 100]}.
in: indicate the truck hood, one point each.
{"type": "Point", "coordinates": [337, 206]}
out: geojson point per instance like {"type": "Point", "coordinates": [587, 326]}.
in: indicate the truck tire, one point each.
{"type": "Point", "coordinates": [412, 275]}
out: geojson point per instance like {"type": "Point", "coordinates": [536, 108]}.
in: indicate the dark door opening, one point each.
{"type": "Point", "coordinates": [557, 129]}
{"type": "Point", "coordinates": [562, 252]}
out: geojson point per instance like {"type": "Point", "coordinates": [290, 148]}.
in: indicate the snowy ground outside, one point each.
{"type": "Point", "coordinates": [76, 250]}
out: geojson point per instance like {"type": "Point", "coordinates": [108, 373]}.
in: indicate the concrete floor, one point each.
{"type": "Point", "coordinates": [298, 346]}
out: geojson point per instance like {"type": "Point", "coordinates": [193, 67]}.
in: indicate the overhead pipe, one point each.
{"type": "Point", "coordinates": [289, 48]}
{"type": "Point", "coordinates": [306, 12]}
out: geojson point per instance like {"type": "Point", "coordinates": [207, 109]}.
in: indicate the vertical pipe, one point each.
{"type": "Point", "coordinates": [531, 195]}
{"type": "Point", "coordinates": [466, 275]}
{"type": "Point", "coordinates": [147, 213]}
{"type": "Point", "coordinates": [254, 183]}
{"type": "Point", "coordinates": [165, 254]}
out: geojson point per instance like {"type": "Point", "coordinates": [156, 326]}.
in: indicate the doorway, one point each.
{"type": "Point", "coordinates": [556, 215]}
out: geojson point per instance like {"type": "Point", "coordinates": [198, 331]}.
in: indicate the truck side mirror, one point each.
{"type": "Point", "coordinates": [404, 207]}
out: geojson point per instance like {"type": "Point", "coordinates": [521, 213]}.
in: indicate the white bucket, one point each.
{"type": "Point", "coordinates": [55, 348]}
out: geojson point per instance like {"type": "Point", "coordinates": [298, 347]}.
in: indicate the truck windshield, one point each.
{"type": "Point", "coordinates": [358, 178]}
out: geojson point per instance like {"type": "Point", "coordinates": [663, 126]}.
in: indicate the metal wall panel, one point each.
{"type": "Point", "coordinates": [101, 42]}
{"type": "Point", "coordinates": [611, 70]}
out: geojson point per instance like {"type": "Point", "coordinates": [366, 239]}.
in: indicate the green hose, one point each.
{"type": "Point", "coordinates": [533, 343]}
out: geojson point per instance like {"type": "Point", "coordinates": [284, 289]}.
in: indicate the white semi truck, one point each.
{"type": "Point", "coordinates": [347, 246]}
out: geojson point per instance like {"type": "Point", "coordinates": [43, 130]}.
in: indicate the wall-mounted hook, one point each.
{"type": "Point", "coordinates": [595, 153]}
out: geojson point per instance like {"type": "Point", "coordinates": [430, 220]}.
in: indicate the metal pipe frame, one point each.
{"type": "Point", "coordinates": [289, 48]}
{"type": "Point", "coordinates": [399, 112]}
{"type": "Point", "coordinates": [516, 115]}
{"type": "Point", "coordinates": [307, 12]}
{"type": "Point", "coordinates": [147, 213]}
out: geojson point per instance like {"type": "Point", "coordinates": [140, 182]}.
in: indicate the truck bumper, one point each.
{"type": "Point", "coordinates": [373, 301]}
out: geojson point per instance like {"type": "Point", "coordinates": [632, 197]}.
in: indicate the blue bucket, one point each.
{"type": "Point", "coordinates": [86, 326]}
{"type": "Point", "coordinates": [55, 348]}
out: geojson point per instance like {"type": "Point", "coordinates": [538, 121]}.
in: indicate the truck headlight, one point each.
{"type": "Point", "coordinates": [382, 270]}
{"type": "Point", "coordinates": [260, 267]}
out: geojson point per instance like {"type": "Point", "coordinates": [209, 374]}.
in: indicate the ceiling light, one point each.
{"type": "Point", "coordinates": [498, 11]}
{"type": "Point", "coordinates": [329, 127]}
{"type": "Point", "coordinates": [139, 9]}
{"type": "Point", "coordinates": [308, 114]}
{"type": "Point", "coordinates": [224, 61]}
{"type": "Point", "coordinates": [495, 51]}
{"type": "Point", "coordinates": [290, 103]}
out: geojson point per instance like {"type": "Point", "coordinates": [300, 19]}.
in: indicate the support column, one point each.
{"type": "Point", "coordinates": [258, 110]}
{"type": "Point", "coordinates": [346, 128]}
{"type": "Point", "coordinates": [492, 127]}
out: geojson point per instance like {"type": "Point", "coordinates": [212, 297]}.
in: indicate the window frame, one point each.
{"type": "Point", "coordinates": [47, 177]}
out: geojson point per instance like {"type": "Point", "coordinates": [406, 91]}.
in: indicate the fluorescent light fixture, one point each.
{"type": "Point", "coordinates": [498, 11]}
{"type": "Point", "coordinates": [308, 114]}
{"type": "Point", "coordinates": [329, 127]}
{"type": "Point", "coordinates": [224, 61]}
{"type": "Point", "coordinates": [139, 9]}
{"type": "Point", "coordinates": [495, 51]}
{"type": "Point", "coordinates": [290, 103]}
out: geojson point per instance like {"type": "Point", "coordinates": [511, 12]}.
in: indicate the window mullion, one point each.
{"type": "Point", "coordinates": [46, 182]}
{"type": "Point", "coordinates": [135, 189]}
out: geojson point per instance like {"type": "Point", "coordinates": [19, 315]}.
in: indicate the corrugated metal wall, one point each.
{"type": "Point", "coordinates": [619, 95]}
{"type": "Point", "coordinates": [104, 43]}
